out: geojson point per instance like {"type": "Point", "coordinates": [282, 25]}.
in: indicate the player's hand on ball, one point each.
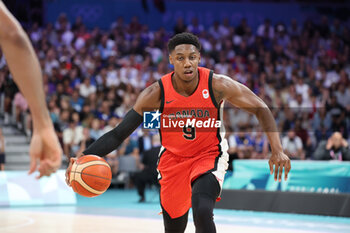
{"type": "Point", "coordinates": [45, 151]}
{"type": "Point", "coordinates": [89, 175]}
{"type": "Point", "coordinates": [71, 162]}
{"type": "Point", "coordinates": [280, 161]}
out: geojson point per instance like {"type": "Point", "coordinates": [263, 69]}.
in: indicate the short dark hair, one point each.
{"type": "Point", "coordinates": [183, 38]}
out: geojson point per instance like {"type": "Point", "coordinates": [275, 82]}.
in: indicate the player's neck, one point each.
{"type": "Point", "coordinates": [185, 88]}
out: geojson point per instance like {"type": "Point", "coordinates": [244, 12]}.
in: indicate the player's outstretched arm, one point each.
{"type": "Point", "coordinates": [149, 99]}
{"type": "Point", "coordinates": [242, 97]}
{"type": "Point", "coordinates": [24, 67]}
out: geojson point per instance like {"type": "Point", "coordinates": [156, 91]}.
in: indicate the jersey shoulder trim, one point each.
{"type": "Point", "coordinates": [211, 92]}
{"type": "Point", "coordinates": [161, 95]}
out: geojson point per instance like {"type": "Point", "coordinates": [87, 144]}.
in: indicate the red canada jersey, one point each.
{"type": "Point", "coordinates": [190, 126]}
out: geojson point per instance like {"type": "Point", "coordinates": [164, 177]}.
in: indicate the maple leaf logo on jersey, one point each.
{"type": "Point", "coordinates": [205, 93]}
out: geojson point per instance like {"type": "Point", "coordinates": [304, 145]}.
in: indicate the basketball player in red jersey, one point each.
{"type": "Point", "coordinates": [192, 160]}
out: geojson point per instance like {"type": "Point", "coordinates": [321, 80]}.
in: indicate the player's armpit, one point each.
{"type": "Point", "coordinates": [149, 99]}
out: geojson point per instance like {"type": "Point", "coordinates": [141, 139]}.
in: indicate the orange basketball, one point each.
{"type": "Point", "coordinates": [90, 176]}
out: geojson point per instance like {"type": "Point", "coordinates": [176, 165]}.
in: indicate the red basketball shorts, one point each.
{"type": "Point", "coordinates": [176, 175]}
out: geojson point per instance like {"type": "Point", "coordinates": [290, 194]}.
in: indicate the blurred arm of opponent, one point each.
{"type": "Point", "coordinates": [45, 149]}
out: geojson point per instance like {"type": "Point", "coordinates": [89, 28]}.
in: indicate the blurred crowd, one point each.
{"type": "Point", "coordinates": [92, 77]}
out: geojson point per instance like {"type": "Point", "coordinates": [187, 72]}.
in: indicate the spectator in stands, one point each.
{"type": "Point", "coordinates": [134, 25]}
{"type": "Point", "coordinates": [225, 27]}
{"type": "Point", "coordinates": [95, 129]}
{"type": "Point", "coordinates": [62, 22]}
{"type": "Point", "coordinates": [86, 113]}
{"type": "Point", "coordinates": [76, 101]}
{"type": "Point", "coordinates": [293, 146]}
{"type": "Point", "coordinates": [195, 27]}
{"type": "Point", "coordinates": [118, 24]}
{"type": "Point", "coordinates": [294, 29]}
{"type": "Point", "coordinates": [62, 122]}
{"type": "Point", "coordinates": [111, 76]}
{"type": "Point", "coordinates": [21, 108]}
{"type": "Point", "coordinates": [343, 95]}
{"type": "Point", "coordinates": [72, 137]}
{"type": "Point", "coordinates": [129, 73]}
{"type": "Point", "coordinates": [303, 134]}
{"type": "Point", "coordinates": [54, 110]}
{"type": "Point", "coordinates": [281, 35]}
{"type": "Point", "coordinates": [335, 148]}
{"type": "Point", "coordinates": [241, 29]}
{"type": "Point", "coordinates": [51, 61]}
{"type": "Point", "coordinates": [266, 30]}
{"type": "Point", "coordinates": [35, 33]}
{"type": "Point", "coordinates": [214, 30]}
{"type": "Point", "coordinates": [104, 111]}
{"type": "Point", "coordinates": [2, 151]}
{"type": "Point", "coordinates": [261, 147]}
{"type": "Point", "coordinates": [245, 144]}
{"type": "Point", "coordinates": [145, 140]}
{"type": "Point", "coordinates": [125, 105]}
{"type": "Point", "coordinates": [105, 47]}
{"type": "Point", "coordinates": [179, 26]}
{"type": "Point", "coordinates": [323, 27]}
{"type": "Point", "coordinates": [86, 141]}
{"type": "Point", "coordinates": [222, 66]}
{"type": "Point", "coordinates": [86, 88]}
{"type": "Point", "coordinates": [338, 114]}
{"type": "Point", "coordinates": [155, 52]}
{"type": "Point", "coordinates": [148, 172]}
{"type": "Point", "coordinates": [299, 106]}
{"type": "Point", "coordinates": [10, 90]}
{"type": "Point", "coordinates": [112, 122]}
{"type": "Point", "coordinates": [129, 147]}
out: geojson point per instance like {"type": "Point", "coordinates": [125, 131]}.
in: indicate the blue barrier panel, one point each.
{"type": "Point", "coordinates": [19, 189]}
{"type": "Point", "coordinates": [305, 176]}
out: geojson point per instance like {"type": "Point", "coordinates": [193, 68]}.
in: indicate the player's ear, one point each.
{"type": "Point", "coordinates": [171, 60]}
{"type": "Point", "coordinates": [199, 59]}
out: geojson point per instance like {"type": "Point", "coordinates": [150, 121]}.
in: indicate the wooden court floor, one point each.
{"type": "Point", "coordinates": [117, 211]}
{"type": "Point", "coordinates": [19, 221]}
{"type": "Point", "coordinates": [26, 221]}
